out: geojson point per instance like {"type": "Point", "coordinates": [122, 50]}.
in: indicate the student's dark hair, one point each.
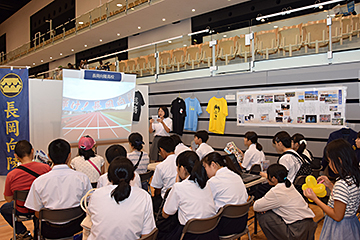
{"type": "Point", "coordinates": [166, 111]}
{"type": "Point", "coordinates": [114, 151]}
{"type": "Point", "coordinates": [136, 140]}
{"type": "Point", "coordinates": [59, 150]}
{"type": "Point", "coordinates": [167, 144]}
{"type": "Point", "coordinates": [176, 139]}
{"type": "Point", "coordinates": [120, 173]}
{"type": "Point", "coordinates": [280, 173]}
{"type": "Point", "coordinates": [87, 154]}
{"type": "Point", "coordinates": [190, 161]}
{"type": "Point", "coordinates": [253, 137]}
{"type": "Point", "coordinates": [223, 161]}
{"type": "Point", "coordinates": [297, 137]}
{"type": "Point", "coordinates": [203, 135]}
{"type": "Point", "coordinates": [284, 138]}
{"type": "Point", "coordinates": [23, 148]}
{"type": "Point", "coordinates": [343, 158]}
{"type": "Point", "coordinates": [358, 135]}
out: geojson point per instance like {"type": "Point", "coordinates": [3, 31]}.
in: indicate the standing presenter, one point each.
{"type": "Point", "coordinates": [161, 128]}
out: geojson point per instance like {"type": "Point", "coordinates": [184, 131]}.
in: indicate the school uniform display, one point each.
{"type": "Point", "coordinates": [159, 132]}
{"type": "Point", "coordinates": [181, 148]}
{"type": "Point", "coordinates": [128, 219]}
{"type": "Point", "coordinates": [92, 170]}
{"type": "Point", "coordinates": [178, 111]}
{"type": "Point", "coordinates": [349, 226]}
{"type": "Point", "coordinates": [252, 156]}
{"type": "Point", "coordinates": [218, 110]}
{"type": "Point", "coordinates": [134, 157]}
{"type": "Point", "coordinates": [227, 187]}
{"type": "Point", "coordinates": [203, 150]}
{"type": "Point", "coordinates": [138, 102]}
{"type": "Point", "coordinates": [190, 201]}
{"type": "Point", "coordinates": [288, 216]}
{"type": "Point", "coordinates": [193, 111]}
{"type": "Point", "coordinates": [165, 174]}
{"type": "Point", "coordinates": [104, 181]}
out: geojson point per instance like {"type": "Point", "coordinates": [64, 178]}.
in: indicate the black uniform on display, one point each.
{"type": "Point", "coordinates": [138, 102]}
{"type": "Point", "coordinates": [178, 110]}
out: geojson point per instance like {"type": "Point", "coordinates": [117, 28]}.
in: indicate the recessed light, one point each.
{"type": "Point", "coordinates": [225, 36]}
{"type": "Point", "coordinates": [100, 40]}
{"type": "Point", "coordinates": [41, 60]}
{"type": "Point", "coordinates": [60, 54]}
{"type": "Point", "coordinates": [132, 9]}
{"type": "Point", "coordinates": [169, 41]}
{"type": "Point", "coordinates": [262, 20]}
{"type": "Point", "coordinates": [33, 63]}
{"type": "Point", "coordinates": [163, 19]}
{"type": "Point", "coordinates": [85, 45]}
{"type": "Point", "coordinates": [72, 49]}
{"type": "Point", "coordinates": [119, 5]}
{"type": "Point", "coordinates": [321, 7]}
{"type": "Point", "coordinates": [276, 26]}
{"type": "Point", "coordinates": [50, 57]}
{"type": "Point", "coordinates": [193, 10]}
{"type": "Point", "coordinates": [81, 22]}
{"type": "Point", "coordinates": [184, 45]}
{"type": "Point", "coordinates": [118, 34]}
{"type": "Point", "coordinates": [139, 27]}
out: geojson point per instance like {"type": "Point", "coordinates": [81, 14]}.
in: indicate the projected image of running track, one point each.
{"type": "Point", "coordinates": [106, 124]}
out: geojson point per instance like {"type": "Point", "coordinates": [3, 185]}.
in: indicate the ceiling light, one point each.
{"type": "Point", "coordinates": [262, 20]}
{"type": "Point", "coordinates": [163, 19]}
{"type": "Point", "coordinates": [60, 54]}
{"type": "Point", "coordinates": [184, 45]}
{"type": "Point", "coordinates": [41, 60]}
{"type": "Point", "coordinates": [132, 9]}
{"type": "Point", "coordinates": [72, 49]}
{"type": "Point", "coordinates": [276, 26]}
{"type": "Point", "coordinates": [81, 22]}
{"type": "Point", "coordinates": [321, 7]}
{"type": "Point", "coordinates": [193, 10]}
{"type": "Point", "coordinates": [169, 41]}
{"type": "Point", "coordinates": [139, 27]}
{"type": "Point", "coordinates": [225, 36]}
{"type": "Point", "coordinates": [118, 34]}
{"type": "Point", "coordinates": [119, 5]}
{"type": "Point", "coordinates": [50, 57]}
{"type": "Point", "coordinates": [85, 45]}
{"type": "Point", "coordinates": [33, 63]}
{"type": "Point", "coordinates": [100, 40]}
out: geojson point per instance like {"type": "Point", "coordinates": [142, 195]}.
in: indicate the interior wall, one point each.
{"type": "Point", "coordinates": [84, 6]}
{"type": "Point", "coordinates": [162, 93]}
{"type": "Point", "coordinates": [62, 62]}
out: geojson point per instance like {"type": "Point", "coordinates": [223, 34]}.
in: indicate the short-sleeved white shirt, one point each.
{"type": "Point", "coordinates": [203, 150]}
{"type": "Point", "coordinates": [159, 128]}
{"type": "Point", "coordinates": [252, 156]}
{"type": "Point", "coordinates": [104, 181]}
{"type": "Point", "coordinates": [60, 188]}
{"type": "Point", "coordinates": [190, 201]}
{"type": "Point", "coordinates": [129, 219]}
{"type": "Point", "coordinates": [291, 163]}
{"type": "Point", "coordinates": [181, 148]}
{"type": "Point", "coordinates": [80, 164]}
{"type": "Point", "coordinates": [227, 187]}
{"type": "Point", "coordinates": [144, 162]}
{"type": "Point", "coordinates": [165, 174]}
{"type": "Point", "coordinates": [285, 202]}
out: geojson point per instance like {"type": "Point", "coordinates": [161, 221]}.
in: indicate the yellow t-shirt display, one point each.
{"type": "Point", "coordinates": [218, 110]}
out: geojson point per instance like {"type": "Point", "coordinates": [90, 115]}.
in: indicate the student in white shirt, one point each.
{"type": "Point", "coordinates": [254, 154]}
{"type": "Point", "coordinates": [283, 212]}
{"type": "Point", "coordinates": [299, 144]}
{"type": "Point", "coordinates": [179, 145]}
{"type": "Point", "coordinates": [200, 139]}
{"type": "Point", "coordinates": [161, 128]}
{"type": "Point", "coordinates": [227, 187]}
{"type": "Point", "coordinates": [139, 158]}
{"type": "Point", "coordinates": [119, 211]}
{"type": "Point", "coordinates": [60, 188]}
{"type": "Point", "coordinates": [190, 196]}
{"type": "Point", "coordinates": [111, 153]}
{"type": "Point", "coordinates": [165, 173]}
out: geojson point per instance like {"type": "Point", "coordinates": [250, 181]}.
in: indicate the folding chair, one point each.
{"type": "Point", "coordinates": [151, 236]}
{"type": "Point", "coordinates": [237, 211]}
{"type": "Point", "coordinates": [20, 196]}
{"type": "Point", "coordinates": [201, 226]}
{"type": "Point", "coordinates": [255, 169]}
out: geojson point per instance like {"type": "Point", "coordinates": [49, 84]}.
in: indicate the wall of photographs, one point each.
{"type": "Point", "coordinates": [323, 107]}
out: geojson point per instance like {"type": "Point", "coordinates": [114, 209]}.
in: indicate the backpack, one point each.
{"type": "Point", "coordinates": [314, 163]}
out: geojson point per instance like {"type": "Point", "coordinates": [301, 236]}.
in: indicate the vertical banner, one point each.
{"type": "Point", "coordinates": [14, 114]}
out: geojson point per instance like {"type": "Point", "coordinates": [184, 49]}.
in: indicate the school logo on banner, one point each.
{"type": "Point", "coordinates": [14, 115]}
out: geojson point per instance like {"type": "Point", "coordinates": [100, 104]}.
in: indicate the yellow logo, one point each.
{"type": "Point", "coordinates": [11, 85]}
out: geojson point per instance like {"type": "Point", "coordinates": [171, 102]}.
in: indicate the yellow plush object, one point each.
{"type": "Point", "coordinates": [319, 189]}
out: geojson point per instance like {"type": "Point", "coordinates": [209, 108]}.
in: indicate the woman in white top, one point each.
{"type": "Point", "coordinates": [120, 211]}
{"type": "Point", "coordinates": [283, 212]}
{"type": "Point", "coordinates": [88, 162]}
{"type": "Point", "coordinates": [227, 187]}
{"type": "Point", "coordinates": [161, 128]}
{"type": "Point", "coordinates": [139, 158]}
{"type": "Point", "coordinates": [190, 196]}
{"type": "Point", "coordinates": [254, 153]}
{"type": "Point", "coordinates": [300, 146]}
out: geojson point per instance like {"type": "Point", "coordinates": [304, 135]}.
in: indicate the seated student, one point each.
{"type": "Point", "coordinates": [227, 187]}
{"type": "Point", "coordinates": [287, 215]}
{"type": "Point", "coordinates": [21, 178]}
{"type": "Point", "coordinates": [60, 188]}
{"type": "Point", "coordinates": [165, 173]}
{"type": "Point", "coordinates": [120, 211]}
{"type": "Point", "coordinates": [190, 196]}
{"type": "Point", "coordinates": [200, 139]}
{"type": "Point", "coordinates": [111, 153]}
{"type": "Point", "coordinates": [88, 162]}
{"type": "Point", "coordinates": [139, 158]}
{"type": "Point", "coordinates": [299, 145]}
{"type": "Point", "coordinates": [254, 153]}
{"type": "Point", "coordinates": [179, 145]}
{"type": "Point", "coordinates": [341, 221]}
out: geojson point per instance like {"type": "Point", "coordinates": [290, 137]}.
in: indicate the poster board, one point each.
{"type": "Point", "coordinates": [307, 107]}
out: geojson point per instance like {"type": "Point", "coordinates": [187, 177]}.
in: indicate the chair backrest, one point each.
{"type": "Point", "coordinates": [146, 176]}
{"type": "Point", "coordinates": [336, 27]}
{"type": "Point", "coordinates": [152, 235]}
{"type": "Point", "coordinates": [255, 169]}
{"type": "Point", "coordinates": [346, 25]}
{"type": "Point", "coordinates": [131, 64]}
{"type": "Point", "coordinates": [200, 226]}
{"type": "Point", "coordinates": [241, 47]}
{"type": "Point", "coordinates": [142, 61]}
{"type": "Point", "coordinates": [317, 29]}
{"type": "Point", "coordinates": [316, 172]}
{"type": "Point", "coordinates": [290, 35]}
{"type": "Point", "coordinates": [356, 22]}
{"type": "Point", "coordinates": [20, 195]}
{"type": "Point", "coordinates": [237, 211]}
{"type": "Point", "coordinates": [165, 57]}
{"type": "Point", "coordinates": [122, 66]}
{"type": "Point", "coordinates": [191, 52]}
{"type": "Point", "coordinates": [206, 50]}
{"type": "Point", "coordinates": [268, 39]}
{"type": "Point", "coordinates": [228, 45]}
{"type": "Point", "coordinates": [177, 54]}
{"type": "Point", "coordinates": [151, 60]}
{"type": "Point", "coordinates": [60, 215]}
{"type": "Point", "coordinates": [300, 180]}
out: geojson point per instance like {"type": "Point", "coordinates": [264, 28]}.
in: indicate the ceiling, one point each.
{"type": "Point", "coordinates": [9, 7]}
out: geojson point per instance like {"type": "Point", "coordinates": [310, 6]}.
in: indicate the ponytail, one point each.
{"type": "Point", "coordinates": [190, 161]}
{"type": "Point", "coordinates": [121, 172]}
{"type": "Point", "coordinates": [223, 161]}
{"type": "Point", "coordinates": [300, 139]}
{"type": "Point", "coordinates": [259, 147]}
{"type": "Point", "coordinates": [136, 140]}
{"type": "Point", "coordinates": [253, 138]}
{"type": "Point", "coordinates": [280, 173]}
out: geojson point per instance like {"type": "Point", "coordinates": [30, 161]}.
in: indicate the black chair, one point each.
{"type": "Point", "coordinates": [255, 169]}
{"type": "Point", "coordinates": [20, 196]}
{"type": "Point", "coordinates": [145, 178]}
{"type": "Point", "coordinates": [151, 236]}
{"type": "Point", "coordinates": [316, 172]}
